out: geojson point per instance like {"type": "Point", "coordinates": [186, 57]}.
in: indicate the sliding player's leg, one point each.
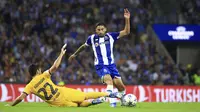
{"type": "Point", "coordinates": [85, 104]}
{"type": "Point", "coordinates": [98, 97]}
{"type": "Point", "coordinates": [71, 104]}
{"type": "Point", "coordinates": [79, 97]}
{"type": "Point", "coordinates": [96, 101]}
{"type": "Point", "coordinates": [73, 95]}
{"type": "Point", "coordinates": [94, 95]}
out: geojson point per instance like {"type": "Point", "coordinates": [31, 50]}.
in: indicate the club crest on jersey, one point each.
{"type": "Point", "coordinates": [96, 44]}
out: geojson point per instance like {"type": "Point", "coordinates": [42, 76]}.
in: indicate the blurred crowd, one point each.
{"type": "Point", "coordinates": [35, 30]}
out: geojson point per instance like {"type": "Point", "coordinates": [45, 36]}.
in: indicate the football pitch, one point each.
{"type": "Point", "coordinates": [141, 107]}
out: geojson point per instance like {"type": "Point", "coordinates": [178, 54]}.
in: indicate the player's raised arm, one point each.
{"type": "Point", "coordinates": [81, 48]}
{"type": "Point", "coordinates": [126, 30]}
{"type": "Point", "coordinates": [57, 62]}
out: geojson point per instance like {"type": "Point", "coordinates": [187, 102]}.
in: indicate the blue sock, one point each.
{"type": "Point", "coordinates": [96, 101]}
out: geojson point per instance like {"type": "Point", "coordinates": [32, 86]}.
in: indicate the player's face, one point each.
{"type": "Point", "coordinates": [101, 30]}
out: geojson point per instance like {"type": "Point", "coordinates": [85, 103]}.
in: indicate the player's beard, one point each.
{"type": "Point", "coordinates": [102, 35]}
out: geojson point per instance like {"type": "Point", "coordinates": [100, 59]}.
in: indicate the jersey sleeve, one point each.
{"type": "Point", "coordinates": [88, 41]}
{"type": "Point", "coordinates": [28, 89]}
{"type": "Point", "coordinates": [114, 35]}
{"type": "Point", "coordinates": [47, 74]}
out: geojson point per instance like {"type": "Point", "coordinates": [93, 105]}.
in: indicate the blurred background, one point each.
{"type": "Point", "coordinates": [35, 30]}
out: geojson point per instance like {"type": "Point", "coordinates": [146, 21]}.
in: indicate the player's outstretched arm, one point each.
{"type": "Point", "coordinates": [57, 62]}
{"type": "Point", "coordinates": [80, 49]}
{"type": "Point", "coordinates": [126, 30]}
{"type": "Point", "coordinates": [18, 100]}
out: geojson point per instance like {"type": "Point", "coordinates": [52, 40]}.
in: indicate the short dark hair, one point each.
{"type": "Point", "coordinates": [33, 69]}
{"type": "Point", "coordinates": [100, 24]}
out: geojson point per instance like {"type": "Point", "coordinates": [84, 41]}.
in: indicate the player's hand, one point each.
{"type": "Point", "coordinates": [7, 105]}
{"type": "Point", "coordinates": [126, 14]}
{"type": "Point", "coordinates": [63, 50]}
{"type": "Point", "coordinates": [71, 57]}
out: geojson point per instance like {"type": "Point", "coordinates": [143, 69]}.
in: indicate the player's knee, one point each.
{"type": "Point", "coordinates": [108, 80]}
{"type": "Point", "coordinates": [84, 104]}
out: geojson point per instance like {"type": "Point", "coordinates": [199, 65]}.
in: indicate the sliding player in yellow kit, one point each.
{"type": "Point", "coordinates": [42, 86]}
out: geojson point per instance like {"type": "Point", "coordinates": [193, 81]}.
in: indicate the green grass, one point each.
{"type": "Point", "coordinates": [141, 107]}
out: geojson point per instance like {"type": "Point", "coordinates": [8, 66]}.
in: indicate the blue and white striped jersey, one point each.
{"type": "Point", "coordinates": [103, 47]}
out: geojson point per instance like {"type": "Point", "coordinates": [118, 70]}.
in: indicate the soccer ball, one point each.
{"type": "Point", "coordinates": [129, 100]}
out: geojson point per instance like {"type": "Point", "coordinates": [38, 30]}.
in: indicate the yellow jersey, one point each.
{"type": "Point", "coordinates": [43, 87]}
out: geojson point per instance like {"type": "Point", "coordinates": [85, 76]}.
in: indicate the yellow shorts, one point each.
{"type": "Point", "coordinates": [69, 97]}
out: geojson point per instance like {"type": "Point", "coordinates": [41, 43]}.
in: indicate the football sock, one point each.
{"type": "Point", "coordinates": [112, 101]}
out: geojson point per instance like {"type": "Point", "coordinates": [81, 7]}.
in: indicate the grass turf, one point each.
{"type": "Point", "coordinates": [141, 107]}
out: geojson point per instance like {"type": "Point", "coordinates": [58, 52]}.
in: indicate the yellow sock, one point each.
{"type": "Point", "coordinates": [94, 95]}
